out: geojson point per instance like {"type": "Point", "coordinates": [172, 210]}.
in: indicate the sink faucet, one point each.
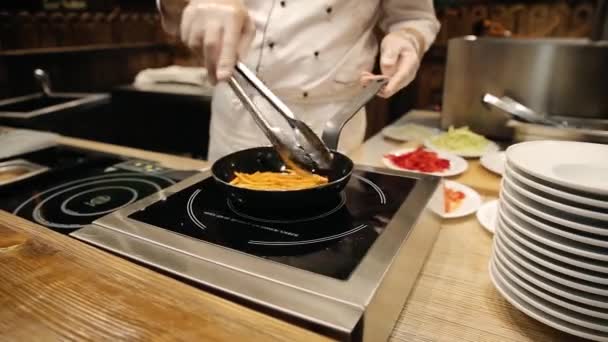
{"type": "Point", "coordinates": [44, 81]}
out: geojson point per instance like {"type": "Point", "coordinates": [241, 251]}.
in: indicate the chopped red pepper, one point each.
{"type": "Point", "coordinates": [452, 199]}
{"type": "Point", "coordinates": [420, 160]}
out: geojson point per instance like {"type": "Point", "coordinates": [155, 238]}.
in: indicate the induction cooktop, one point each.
{"type": "Point", "coordinates": [343, 268]}
{"type": "Point", "coordinates": [78, 186]}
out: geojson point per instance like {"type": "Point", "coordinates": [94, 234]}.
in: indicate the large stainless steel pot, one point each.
{"type": "Point", "coordinates": [561, 77]}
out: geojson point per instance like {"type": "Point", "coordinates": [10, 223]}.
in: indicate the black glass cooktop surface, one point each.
{"type": "Point", "coordinates": [330, 239]}
{"type": "Point", "coordinates": [81, 186]}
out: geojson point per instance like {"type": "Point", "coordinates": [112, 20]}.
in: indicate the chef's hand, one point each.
{"type": "Point", "coordinates": [400, 54]}
{"type": "Point", "coordinates": [220, 30]}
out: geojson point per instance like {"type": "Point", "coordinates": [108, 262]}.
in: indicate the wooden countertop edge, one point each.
{"type": "Point", "coordinates": [23, 244]}
{"type": "Point", "coordinates": [38, 265]}
{"type": "Point", "coordinates": [176, 162]}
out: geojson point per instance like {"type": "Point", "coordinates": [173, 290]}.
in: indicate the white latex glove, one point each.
{"type": "Point", "coordinates": [220, 30]}
{"type": "Point", "coordinates": [399, 60]}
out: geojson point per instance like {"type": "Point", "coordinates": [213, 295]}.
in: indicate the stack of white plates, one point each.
{"type": "Point", "coordinates": [550, 255]}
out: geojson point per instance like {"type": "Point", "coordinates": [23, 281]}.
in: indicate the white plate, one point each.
{"type": "Point", "coordinates": [552, 309]}
{"type": "Point", "coordinates": [544, 272]}
{"type": "Point", "coordinates": [576, 165]}
{"type": "Point", "coordinates": [494, 161]}
{"type": "Point", "coordinates": [547, 213]}
{"type": "Point", "coordinates": [534, 288]}
{"type": "Point", "coordinates": [403, 132]}
{"type": "Point", "coordinates": [528, 193]}
{"type": "Point", "coordinates": [552, 190]}
{"type": "Point", "coordinates": [553, 240]}
{"type": "Point", "coordinates": [470, 203]}
{"type": "Point", "coordinates": [575, 235]}
{"type": "Point", "coordinates": [583, 297]}
{"type": "Point", "coordinates": [530, 241]}
{"type": "Point", "coordinates": [556, 265]}
{"type": "Point", "coordinates": [487, 215]}
{"type": "Point", "coordinates": [457, 164]}
{"type": "Point", "coordinates": [491, 147]}
{"type": "Point", "coordinates": [548, 313]}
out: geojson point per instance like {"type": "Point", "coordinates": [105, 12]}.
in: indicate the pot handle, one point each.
{"type": "Point", "coordinates": [333, 128]}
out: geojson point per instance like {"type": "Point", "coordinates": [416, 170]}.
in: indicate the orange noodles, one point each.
{"type": "Point", "coordinates": [289, 180]}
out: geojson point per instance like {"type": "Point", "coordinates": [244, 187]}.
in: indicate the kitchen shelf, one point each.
{"type": "Point", "coordinates": [81, 49]}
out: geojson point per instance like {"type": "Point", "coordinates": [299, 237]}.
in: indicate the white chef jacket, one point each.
{"type": "Point", "coordinates": [311, 54]}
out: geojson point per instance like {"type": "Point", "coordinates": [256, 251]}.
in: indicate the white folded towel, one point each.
{"type": "Point", "coordinates": [174, 75]}
{"type": "Point", "coordinates": [20, 141]}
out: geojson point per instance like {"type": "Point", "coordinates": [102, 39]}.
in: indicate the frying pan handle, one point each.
{"type": "Point", "coordinates": [333, 128]}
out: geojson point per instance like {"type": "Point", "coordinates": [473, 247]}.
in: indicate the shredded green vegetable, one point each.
{"type": "Point", "coordinates": [460, 140]}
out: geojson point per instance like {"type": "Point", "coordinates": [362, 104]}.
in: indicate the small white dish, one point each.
{"type": "Point", "coordinates": [470, 203]}
{"type": "Point", "coordinates": [575, 165]}
{"type": "Point", "coordinates": [528, 193]}
{"type": "Point", "coordinates": [558, 289]}
{"type": "Point", "coordinates": [502, 249]}
{"type": "Point", "coordinates": [487, 215]}
{"type": "Point", "coordinates": [409, 132]}
{"type": "Point", "coordinates": [490, 147]}
{"type": "Point", "coordinates": [494, 162]}
{"type": "Point", "coordinates": [457, 164]}
{"type": "Point", "coordinates": [534, 288]}
{"type": "Point", "coordinates": [552, 190]}
{"type": "Point", "coordinates": [547, 213]}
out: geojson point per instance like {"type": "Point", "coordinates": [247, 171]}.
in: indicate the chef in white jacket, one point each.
{"type": "Point", "coordinates": [311, 53]}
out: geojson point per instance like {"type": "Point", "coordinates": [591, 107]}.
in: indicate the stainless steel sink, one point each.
{"type": "Point", "coordinates": [48, 101]}
{"type": "Point", "coordinates": [33, 105]}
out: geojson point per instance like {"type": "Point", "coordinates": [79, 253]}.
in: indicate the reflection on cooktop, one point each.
{"type": "Point", "coordinates": [330, 239]}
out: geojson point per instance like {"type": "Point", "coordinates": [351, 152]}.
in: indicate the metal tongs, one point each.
{"type": "Point", "coordinates": [519, 111]}
{"type": "Point", "coordinates": [298, 146]}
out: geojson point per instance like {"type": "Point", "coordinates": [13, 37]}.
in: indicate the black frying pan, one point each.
{"type": "Point", "coordinates": [266, 159]}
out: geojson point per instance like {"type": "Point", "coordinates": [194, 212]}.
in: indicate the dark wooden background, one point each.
{"type": "Point", "coordinates": [97, 45]}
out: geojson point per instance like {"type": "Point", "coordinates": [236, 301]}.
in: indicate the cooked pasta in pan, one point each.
{"type": "Point", "coordinates": [288, 180]}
